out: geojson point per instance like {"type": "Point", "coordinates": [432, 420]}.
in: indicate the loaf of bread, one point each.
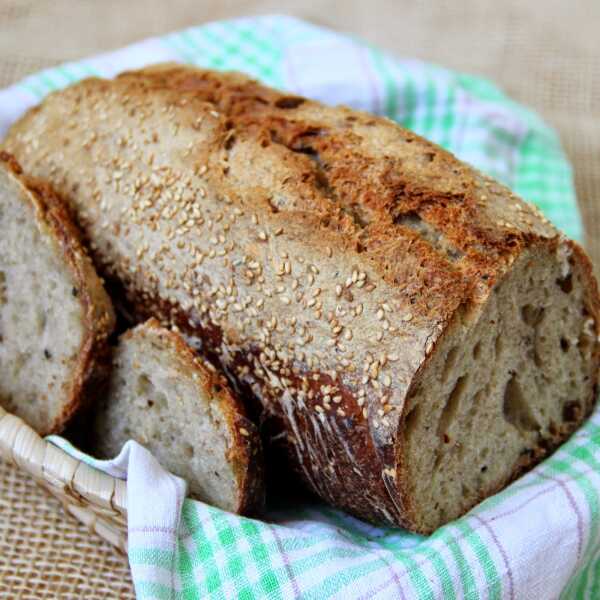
{"type": "Point", "coordinates": [55, 316]}
{"type": "Point", "coordinates": [166, 398]}
{"type": "Point", "coordinates": [415, 335]}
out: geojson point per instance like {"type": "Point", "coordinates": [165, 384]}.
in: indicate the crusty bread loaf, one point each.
{"type": "Point", "coordinates": [415, 334]}
{"type": "Point", "coordinates": [163, 396]}
{"type": "Point", "coordinates": [55, 316]}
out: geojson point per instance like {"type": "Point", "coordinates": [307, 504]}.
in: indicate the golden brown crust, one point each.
{"type": "Point", "coordinates": [319, 254]}
{"type": "Point", "coordinates": [99, 318]}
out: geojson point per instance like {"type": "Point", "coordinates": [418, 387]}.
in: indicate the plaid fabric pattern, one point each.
{"type": "Point", "coordinates": [540, 537]}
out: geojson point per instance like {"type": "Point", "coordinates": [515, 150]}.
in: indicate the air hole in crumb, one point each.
{"type": "Point", "coordinates": [564, 344]}
{"type": "Point", "coordinates": [515, 408]}
{"type": "Point", "coordinates": [144, 385]}
{"type": "Point", "coordinates": [412, 420]}
{"type": "Point", "coordinates": [188, 451]}
{"type": "Point", "coordinates": [477, 350]}
{"type": "Point", "coordinates": [565, 283]}
{"type": "Point", "coordinates": [537, 359]}
{"type": "Point", "coordinates": [532, 315]}
{"type": "Point", "coordinates": [2, 288]}
{"type": "Point", "coordinates": [484, 468]}
{"type": "Point", "coordinates": [498, 345]}
{"type": "Point", "coordinates": [450, 362]}
{"type": "Point", "coordinates": [47, 354]}
{"type": "Point", "coordinates": [451, 407]}
{"type": "Point", "coordinates": [40, 322]}
{"type": "Point", "coordinates": [571, 412]}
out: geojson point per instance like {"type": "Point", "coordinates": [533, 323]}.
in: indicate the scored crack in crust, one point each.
{"type": "Point", "coordinates": [334, 265]}
{"type": "Point", "coordinates": [30, 206]}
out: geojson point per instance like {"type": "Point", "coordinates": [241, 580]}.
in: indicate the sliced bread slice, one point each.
{"type": "Point", "coordinates": [162, 395]}
{"type": "Point", "coordinates": [55, 316]}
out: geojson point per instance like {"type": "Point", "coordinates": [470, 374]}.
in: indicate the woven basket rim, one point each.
{"type": "Point", "coordinates": [94, 497]}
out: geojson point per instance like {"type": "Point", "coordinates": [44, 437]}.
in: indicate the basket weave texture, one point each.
{"type": "Point", "coordinates": [96, 499]}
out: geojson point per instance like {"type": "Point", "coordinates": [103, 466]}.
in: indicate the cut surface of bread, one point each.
{"type": "Point", "coordinates": [164, 397]}
{"type": "Point", "coordinates": [509, 380]}
{"type": "Point", "coordinates": [55, 316]}
{"type": "Point", "coordinates": [414, 333]}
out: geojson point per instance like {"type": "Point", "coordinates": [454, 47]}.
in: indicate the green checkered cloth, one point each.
{"type": "Point", "coordinates": [540, 537]}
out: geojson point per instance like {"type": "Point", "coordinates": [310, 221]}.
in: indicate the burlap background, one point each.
{"type": "Point", "coordinates": [545, 53]}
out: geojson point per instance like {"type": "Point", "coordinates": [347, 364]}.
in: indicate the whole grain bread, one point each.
{"type": "Point", "coordinates": [162, 395]}
{"type": "Point", "coordinates": [55, 316]}
{"type": "Point", "coordinates": [414, 334]}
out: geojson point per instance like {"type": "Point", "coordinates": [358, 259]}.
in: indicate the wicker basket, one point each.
{"type": "Point", "coordinates": [93, 497]}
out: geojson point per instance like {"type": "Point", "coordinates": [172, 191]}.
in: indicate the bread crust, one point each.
{"type": "Point", "coordinates": [99, 319]}
{"type": "Point", "coordinates": [380, 241]}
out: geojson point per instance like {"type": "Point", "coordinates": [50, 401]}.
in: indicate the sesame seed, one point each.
{"type": "Point", "coordinates": [244, 431]}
